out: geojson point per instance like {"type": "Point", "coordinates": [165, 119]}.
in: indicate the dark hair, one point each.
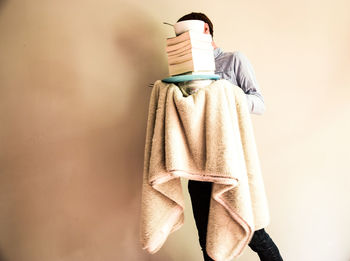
{"type": "Point", "coordinates": [198, 16]}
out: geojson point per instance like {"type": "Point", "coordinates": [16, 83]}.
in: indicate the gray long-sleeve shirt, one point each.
{"type": "Point", "coordinates": [236, 68]}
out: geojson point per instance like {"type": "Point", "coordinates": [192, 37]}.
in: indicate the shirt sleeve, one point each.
{"type": "Point", "coordinates": [246, 79]}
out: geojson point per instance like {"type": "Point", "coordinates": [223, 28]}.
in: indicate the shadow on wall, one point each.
{"type": "Point", "coordinates": [101, 183]}
{"type": "Point", "coordinates": [2, 5]}
{"type": "Point", "coordinates": [139, 43]}
{"type": "Point", "coordinates": [2, 258]}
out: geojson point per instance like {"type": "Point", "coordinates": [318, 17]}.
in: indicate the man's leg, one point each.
{"type": "Point", "coordinates": [200, 192]}
{"type": "Point", "coordinates": [264, 246]}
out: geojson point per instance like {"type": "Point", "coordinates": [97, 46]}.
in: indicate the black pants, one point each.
{"type": "Point", "coordinates": [200, 192]}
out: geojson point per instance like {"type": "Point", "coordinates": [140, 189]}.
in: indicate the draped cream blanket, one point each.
{"type": "Point", "coordinates": [206, 136]}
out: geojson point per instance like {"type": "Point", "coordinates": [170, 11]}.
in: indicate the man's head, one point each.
{"type": "Point", "coordinates": [208, 27]}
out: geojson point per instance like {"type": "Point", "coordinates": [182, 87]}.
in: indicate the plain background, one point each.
{"type": "Point", "coordinates": [74, 97]}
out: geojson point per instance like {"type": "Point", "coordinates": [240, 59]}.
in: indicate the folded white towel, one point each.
{"type": "Point", "coordinates": [206, 136]}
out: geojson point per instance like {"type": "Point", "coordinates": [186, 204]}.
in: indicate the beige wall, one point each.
{"type": "Point", "coordinates": [73, 111]}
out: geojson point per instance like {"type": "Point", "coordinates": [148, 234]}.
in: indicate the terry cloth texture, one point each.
{"type": "Point", "coordinates": [206, 136]}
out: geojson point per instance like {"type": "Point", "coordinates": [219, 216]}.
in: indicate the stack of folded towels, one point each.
{"type": "Point", "coordinates": [190, 52]}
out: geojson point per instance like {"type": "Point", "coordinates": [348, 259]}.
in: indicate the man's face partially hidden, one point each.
{"type": "Point", "coordinates": [207, 31]}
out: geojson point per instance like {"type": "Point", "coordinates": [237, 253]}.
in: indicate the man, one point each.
{"type": "Point", "coordinates": [236, 68]}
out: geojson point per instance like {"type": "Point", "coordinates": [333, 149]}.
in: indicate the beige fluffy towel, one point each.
{"type": "Point", "coordinates": [206, 136]}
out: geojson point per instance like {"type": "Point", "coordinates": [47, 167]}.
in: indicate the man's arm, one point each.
{"type": "Point", "coordinates": [247, 81]}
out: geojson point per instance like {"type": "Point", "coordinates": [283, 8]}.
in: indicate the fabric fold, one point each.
{"type": "Point", "coordinates": [205, 136]}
